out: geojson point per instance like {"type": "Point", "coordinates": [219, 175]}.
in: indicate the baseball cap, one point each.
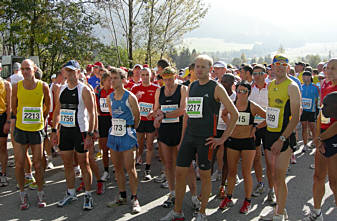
{"type": "Point", "coordinates": [220, 64]}
{"type": "Point", "coordinates": [53, 76]}
{"type": "Point", "coordinates": [138, 65]}
{"type": "Point", "coordinates": [145, 66]}
{"type": "Point", "coordinates": [89, 66]}
{"type": "Point", "coordinates": [168, 72]}
{"type": "Point", "coordinates": [16, 66]}
{"type": "Point", "coordinates": [279, 57]}
{"type": "Point", "coordinates": [300, 63]}
{"type": "Point", "coordinates": [73, 65]}
{"type": "Point", "coordinates": [98, 65]}
{"type": "Point", "coordinates": [307, 73]}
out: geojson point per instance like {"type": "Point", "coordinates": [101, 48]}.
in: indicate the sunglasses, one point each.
{"type": "Point", "coordinates": [280, 64]}
{"type": "Point", "coordinates": [259, 73]}
{"type": "Point", "coordinates": [242, 91]}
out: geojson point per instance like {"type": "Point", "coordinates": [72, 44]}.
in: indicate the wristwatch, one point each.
{"type": "Point", "coordinates": [283, 138]}
{"type": "Point", "coordinates": [91, 134]}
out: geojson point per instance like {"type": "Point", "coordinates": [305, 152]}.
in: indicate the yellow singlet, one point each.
{"type": "Point", "coordinates": [3, 94]}
{"type": "Point", "coordinates": [29, 115]}
{"type": "Point", "coordinates": [278, 110]}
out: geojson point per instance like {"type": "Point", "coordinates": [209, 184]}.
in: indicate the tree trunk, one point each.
{"type": "Point", "coordinates": [130, 36]}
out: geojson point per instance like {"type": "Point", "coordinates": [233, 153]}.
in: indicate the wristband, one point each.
{"type": "Point", "coordinates": [53, 130]}
{"type": "Point", "coordinates": [90, 134]}
{"type": "Point", "coordinates": [8, 121]}
{"type": "Point", "coordinates": [13, 116]}
{"type": "Point", "coordinates": [95, 131]}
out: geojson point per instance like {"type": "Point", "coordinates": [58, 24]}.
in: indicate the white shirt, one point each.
{"type": "Point", "coordinates": [259, 96]}
{"type": "Point", "coordinates": [15, 78]}
{"type": "Point", "coordinates": [221, 124]}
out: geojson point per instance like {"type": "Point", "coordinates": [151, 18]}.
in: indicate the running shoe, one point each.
{"type": "Point", "coordinates": [245, 207]}
{"type": "Point", "coordinates": [312, 166]}
{"type": "Point", "coordinates": [119, 201]}
{"type": "Point", "coordinates": [201, 217]}
{"type": "Point", "coordinates": [68, 198]}
{"type": "Point", "coordinates": [3, 181]}
{"type": "Point", "coordinates": [173, 216]}
{"type": "Point", "coordinates": [164, 185]}
{"type": "Point", "coordinates": [98, 155]}
{"type": "Point", "coordinates": [161, 178]}
{"type": "Point", "coordinates": [312, 216]}
{"type": "Point", "coordinates": [24, 202]}
{"type": "Point", "coordinates": [88, 203]}
{"type": "Point", "coordinates": [135, 207]}
{"type": "Point", "coordinates": [41, 202]}
{"type": "Point", "coordinates": [80, 188]}
{"type": "Point", "coordinates": [225, 203]}
{"type": "Point", "coordinates": [50, 165]}
{"type": "Point", "coordinates": [106, 176]}
{"type": "Point", "coordinates": [258, 190]}
{"type": "Point", "coordinates": [100, 187]}
{"type": "Point", "coordinates": [77, 171]}
{"type": "Point", "coordinates": [222, 192]}
{"type": "Point", "coordinates": [271, 198]}
{"type": "Point", "coordinates": [169, 202]}
{"type": "Point", "coordinates": [305, 148]}
{"type": "Point", "coordinates": [214, 176]}
{"type": "Point", "coordinates": [196, 204]}
{"type": "Point", "coordinates": [147, 175]}
{"type": "Point", "coordinates": [11, 163]}
{"type": "Point", "coordinates": [27, 182]}
{"type": "Point", "coordinates": [269, 216]}
{"type": "Point", "coordinates": [32, 186]}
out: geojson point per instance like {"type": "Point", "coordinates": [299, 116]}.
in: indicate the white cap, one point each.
{"type": "Point", "coordinates": [53, 76]}
{"type": "Point", "coordinates": [220, 64]}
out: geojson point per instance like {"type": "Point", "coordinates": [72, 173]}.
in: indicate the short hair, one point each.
{"type": "Point", "coordinates": [248, 68]}
{"type": "Point", "coordinates": [163, 63]}
{"type": "Point", "coordinates": [228, 78]}
{"type": "Point", "coordinates": [205, 57]}
{"type": "Point", "coordinates": [308, 68]}
{"type": "Point", "coordinates": [259, 66]}
{"type": "Point", "coordinates": [120, 72]}
{"type": "Point", "coordinates": [245, 84]}
{"type": "Point", "coordinates": [191, 66]}
{"type": "Point", "coordinates": [148, 70]}
{"type": "Point", "coordinates": [315, 71]}
{"type": "Point", "coordinates": [38, 73]}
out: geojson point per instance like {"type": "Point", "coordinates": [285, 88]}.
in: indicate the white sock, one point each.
{"type": "Point", "coordinates": [173, 193]}
{"type": "Point", "coordinates": [317, 211]}
{"type": "Point", "coordinates": [72, 191]}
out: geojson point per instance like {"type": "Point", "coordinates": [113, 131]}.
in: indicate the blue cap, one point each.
{"type": "Point", "coordinates": [73, 65]}
{"type": "Point", "coordinates": [220, 64]}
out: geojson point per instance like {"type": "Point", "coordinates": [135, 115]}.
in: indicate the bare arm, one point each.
{"type": "Point", "coordinates": [221, 94]}
{"type": "Point", "coordinates": [46, 99]}
{"type": "Point", "coordinates": [8, 87]}
{"type": "Point", "coordinates": [89, 105]}
{"type": "Point", "coordinates": [330, 132]}
{"type": "Point", "coordinates": [156, 100]}
{"type": "Point", "coordinates": [56, 114]}
{"type": "Point", "coordinates": [134, 108]}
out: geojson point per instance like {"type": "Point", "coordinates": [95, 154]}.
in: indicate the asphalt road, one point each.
{"type": "Point", "coordinates": [151, 196]}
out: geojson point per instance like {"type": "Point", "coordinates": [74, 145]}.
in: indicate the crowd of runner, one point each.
{"type": "Point", "coordinates": [207, 116]}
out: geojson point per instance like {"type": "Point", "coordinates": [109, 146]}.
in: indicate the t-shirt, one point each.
{"type": "Point", "coordinates": [145, 96]}
{"type": "Point", "coordinates": [94, 81]}
{"type": "Point", "coordinates": [15, 78]}
{"type": "Point", "coordinates": [327, 88]}
{"type": "Point", "coordinates": [131, 84]}
{"type": "Point", "coordinates": [309, 96]}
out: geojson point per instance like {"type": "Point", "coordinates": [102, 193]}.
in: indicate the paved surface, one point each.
{"type": "Point", "coordinates": [151, 197]}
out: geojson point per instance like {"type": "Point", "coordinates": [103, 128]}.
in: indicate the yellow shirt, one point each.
{"type": "Point", "coordinates": [314, 78]}
{"type": "Point", "coordinates": [3, 94]}
{"type": "Point", "coordinates": [278, 111]}
{"type": "Point", "coordinates": [29, 115]}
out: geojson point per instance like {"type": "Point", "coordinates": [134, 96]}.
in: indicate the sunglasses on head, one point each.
{"type": "Point", "coordinates": [242, 91]}
{"type": "Point", "coordinates": [280, 64]}
{"type": "Point", "coordinates": [259, 73]}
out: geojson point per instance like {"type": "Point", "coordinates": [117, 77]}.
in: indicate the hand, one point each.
{"type": "Point", "coordinates": [156, 123]}
{"type": "Point", "coordinates": [252, 134]}
{"type": "Point", "coordinates": [214, 142]}
{"type": "Point", "coordinates": [96, 135]}
{"type": "Point", "coordinates": [321, 148]}
{"type": "Point", "coordinates": [276, 147]}
{"type": "Point", "coordinates": [152, 114]}
{"type": "Point", "coordinates": [53, 138]}
{"type": "Point", "coordinates": [88, 143]}
{"type": "Point", "coordinates": [7, 127]}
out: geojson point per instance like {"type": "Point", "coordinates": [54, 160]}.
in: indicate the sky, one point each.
{"type": "Point", "coordinates": [235, 24]}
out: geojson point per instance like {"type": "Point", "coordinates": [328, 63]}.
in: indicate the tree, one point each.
{"type": "Point", "coordinates": [237, 62]}
{"type": "Point", "coordinates": [313, 60]}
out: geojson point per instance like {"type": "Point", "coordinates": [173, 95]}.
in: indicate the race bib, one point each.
{"type": "Point", "coordinates": [103, 105]}
{"type": "Point", "coordinates": [306, 103]}
{"type": "Point", "coordinates": [324, 120]}
{"type": "Point", "coordinates": [145, 108]}
{"type": "Point", "coordinates": [221, 124]}
{"type": "Point", "coordinates": [258, 119]}
{"type": "Point", "coordinates": [31, 115]}
{"type": "Point", "coordinates": [169, 108]}
{"type": "Point", "coordinates": [243, 119]}
{"type": "Point", "coordinates": [272, 116]}
{"type": "Point", "coordinates": [67, 117]}
{"type": "Point", "coordinates": [194, 107]}
{"type": "Point", "coordinates": [118, 127]}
